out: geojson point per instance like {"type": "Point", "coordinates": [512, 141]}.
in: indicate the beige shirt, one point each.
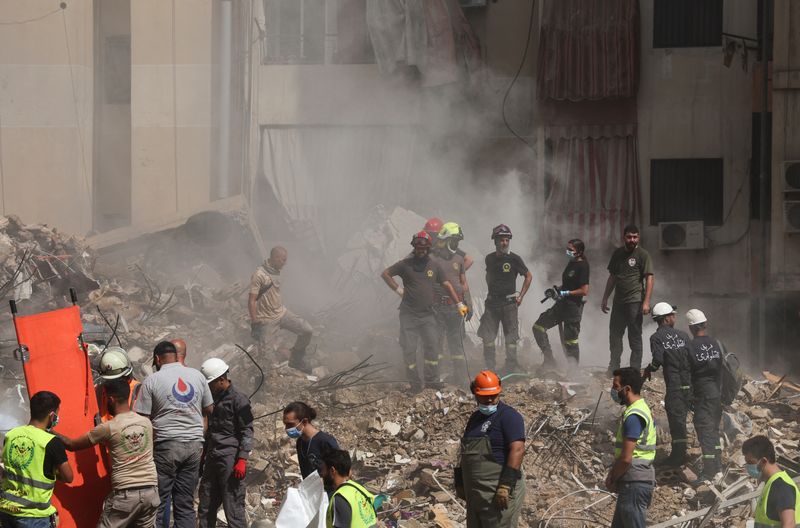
{"type": "Point", "coordinates": [129, 439]}
{"type": "Point", "coordinates": [269, 306]}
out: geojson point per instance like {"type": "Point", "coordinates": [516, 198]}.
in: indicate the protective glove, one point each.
{"type": "Point", "coordinates": [505, 486]}
{"type": "Point", "coordinates": [400, 291]}
{"type": "Point", "coordinates": [501, 496]}
{"type": "Point", "coordinates": [458, 480]}
{"type": "Point", "coordinates": [240, 468]}
{"type": "Point", "coordinates": [647, 374]}
{"type": "Point", "coordinates": [257, 330]}
{"type": "Point", "coordinates": [563, 293]}
{"type": "Point", "coordinates": [462, 309]}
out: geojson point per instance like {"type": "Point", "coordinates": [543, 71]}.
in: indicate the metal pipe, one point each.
{"type": "Point", "coordinates": [224, 138]}
{"type": "Point", "coordinates": [763, 184]}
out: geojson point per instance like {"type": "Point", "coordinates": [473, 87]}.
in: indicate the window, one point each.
{"type": "Point", "coordinates": [685, 190]}
{"type": "Point", "coordinates": [687, 23]}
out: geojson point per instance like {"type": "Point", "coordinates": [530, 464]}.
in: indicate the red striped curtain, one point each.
{"type": "Point", "coordinates": [592, 188]}
{"type": "Point", "coordinates": [588, 50]}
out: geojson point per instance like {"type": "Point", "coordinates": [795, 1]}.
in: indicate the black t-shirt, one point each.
{"type": "Point", "coordinates": [54, 456]}
{"type": "Point", "coordinates": [781, 497]}
{"type": "Point", "coordinates": [502, 427]}
{"type": "Point", "coordinates": [629, 268]}
{"type": "Point", "coordinates": [342, 512]}
{"type": "Point", "coordinates": [575, 275]}
{"type": "Point", "coordinates": [309, 454]}
{"type": "Point", "coordinates": [501, 273]}
{"type": "Point", "coordinates": [419, 278]}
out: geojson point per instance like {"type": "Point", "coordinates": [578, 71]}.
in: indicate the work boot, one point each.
{"type": "Point", "coordinates": [298, 362]}
{"type": "Point", "coordinates": [676, 458]}
{"type": "Point", "coordinates": [548, 364]}
{"type": "Point", "coordinates": [489, 359]}
{"type": "Point", "coordinates": [434, 384]}
{"type": "Point", "coordinates": [416, 386]}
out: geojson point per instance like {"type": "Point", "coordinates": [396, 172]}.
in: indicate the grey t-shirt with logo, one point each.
{"type": "Point", "coordinates": [174, 398]}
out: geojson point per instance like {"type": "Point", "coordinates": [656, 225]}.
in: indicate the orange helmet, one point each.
{"type": "Point", "coordinates": [486, 383]}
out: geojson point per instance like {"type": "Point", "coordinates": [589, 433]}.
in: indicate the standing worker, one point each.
{"type": "Point", "coordinates": [268, 315]}
{"type": "Point", "coordinates": [229, 440]}
{"type": "Point", "coordinates": [705, 361]}
{"type": "Point", "coordinates": [568, 308]}
{"type": "Point", "coordinates": [630, 277]}
{"type": "Point", "coordinates": [311, 442]}
{"type": "Point", "coordinates": [176, 399]}
{"type": "Point", "coordinates": [115, 364]}
{"type": "Point", "coordinates": [451, 322]}
{"type": "Point", "coordinates": [502, 301]}
{"type": "Point", "coordinates": [779, 503]}
{"type": "Point", "coordinates": [420, 274]}
{"type": "Point", "coordinates": [128, 437]}
{"type": "Point", "coordinates": [351, 505]}
{"type": "Point", "coordinates": [33, 458]}
{"type": "Point", "coordinates": [632, 476]}
{"type": "Point", "coordinates": [490, 476]}
{"type": "Point", "coordinates": [670, 348]}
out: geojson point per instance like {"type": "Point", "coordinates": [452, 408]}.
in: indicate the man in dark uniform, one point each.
{"type": "Point", "coordinates": [502, 301]}
{"type": "Point", "coordinates": [568, 308]}
{"type": "Point", "coordinates": [630, 277]}
{"type": "Point", "coordinates": [670, 348]}
{"type": "Point", "coordinates": [417, 322]}
{"type": "Point", "coordinates": [705, 360]}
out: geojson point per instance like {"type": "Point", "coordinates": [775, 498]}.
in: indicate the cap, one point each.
{"type": "Point", "coordinates": [661, 309]}
{"type": "Point", "coordinates": [695, 316]}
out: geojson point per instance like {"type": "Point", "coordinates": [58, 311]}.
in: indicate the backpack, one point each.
{"type": "Point", "coordinates": [731, 378]}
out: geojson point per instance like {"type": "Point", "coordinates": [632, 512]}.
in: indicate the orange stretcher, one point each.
{"type": "Point", "coordinates": [54, 358]}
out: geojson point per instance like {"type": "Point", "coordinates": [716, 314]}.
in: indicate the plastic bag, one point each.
{"type": "Point", "coordinates": [305, 505]}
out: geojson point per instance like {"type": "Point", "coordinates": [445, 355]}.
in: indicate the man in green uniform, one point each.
{"type": "Point", "coordinates": [34, 458]}
{"type": "Point", "coordinates": [351, 505]}
{"type": "Point", "coordinates": [779, 504]}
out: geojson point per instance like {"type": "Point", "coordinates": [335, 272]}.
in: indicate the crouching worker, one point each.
{"type": "Point", "coordinates": [133, 500]}
{"type": "Point", "coordinates": [351, 505]}
{"type": "Point", "coordinates": [490, 475]}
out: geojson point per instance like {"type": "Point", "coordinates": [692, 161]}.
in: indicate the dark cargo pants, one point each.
{"type": "Point", "coordinates": [416, 328]}
{"type": "Point", "coordinates": [495, 314]}
{"type": "Point", "coordinates": [219, 487]}
{"type": "Point", "coordinates": [451, 339]}
{"type": "Point", "coordinates": [707, 417]}
{"type": "Point", "coordinates": [564, 311]}
{"type": "Point", "coordinates": [676, 403]}
{"type": "Point", "coordinates": [178, 466]}
{"type": "Point", "coordinates": [625, 317]}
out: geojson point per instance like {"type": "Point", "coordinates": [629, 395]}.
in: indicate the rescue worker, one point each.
{"type": "Point", "coordinates": [268, 315]}
{"type": "Point", "coordinates": [705, 362]}
{"type": "Point", "coordinates": [779, 503]}
{"type": "Point", "coordinates": [115, 364]}
{"type": "Point", "coordinates": [489, 476]}
{"type": "Point", "coordinates": [180, 346]}
{"type": "Point", "coordinates": [630, 277]}
{"type": "Point", "coordinates": [128, 437]}
{"type": "Point", "coordinates": [33, 458]}
{"type": "Point", "coordinates": [310, 441]}
{"type": "Point", "coordinates": [420, 274]}
{"type": "Point", "coordinates": [229, 441]}
{"type": "Point", "coordinates": [451, 322]}
{"type": "Point", "coordinates": [568, 308]}
{"type": "Point", "coordinates": [632, 476]}
{"type": "Point", "coordinates": [670, 349]}
{"type": "Point", "coordinates": [351, 505]}
{"type": "Point", "coordinates": [502, 302]}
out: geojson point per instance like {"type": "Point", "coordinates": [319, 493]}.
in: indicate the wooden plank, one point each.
{"type": "Point", "coordinates": [773, 378]}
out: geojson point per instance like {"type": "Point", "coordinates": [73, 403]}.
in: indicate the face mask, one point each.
{"type": "Point", "coordinates": [617, 397]}
{"type": "Point", "coordinates": [294, 432]}
{"type": "Point", "coordinates": [487, 409]}
{"type": "Point", "coordinates": [54, 422]}
{"type": "Point", "coordinates": [570, 254]}
{"type": "Point", "coordinates": [753, 471]}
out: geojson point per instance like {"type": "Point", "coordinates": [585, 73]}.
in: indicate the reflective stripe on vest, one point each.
{"type": "Point", "coordinates": [361, 504]}
{"type": "Point", "coordinates": [761, 507]}
{"type": "Point", "coordinates": [646, 445]}
{"type": "Point", "coordinates": [26, 491]}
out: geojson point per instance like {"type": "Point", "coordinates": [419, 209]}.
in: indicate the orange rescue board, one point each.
{"type": "Point", "coordinates": [57, 364]}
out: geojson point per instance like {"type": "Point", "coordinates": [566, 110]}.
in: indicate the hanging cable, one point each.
{"type": "Point", "coordinates": [516, 76]}
{"type": "Point", "coordinates": [260, 383]}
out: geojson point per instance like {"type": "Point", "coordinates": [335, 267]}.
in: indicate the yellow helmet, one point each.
{"type": "Point", "coordinates": [451, 230]}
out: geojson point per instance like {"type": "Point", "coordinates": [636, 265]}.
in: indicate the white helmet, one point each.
{"type": "Point", "coordinates": [213, 368]}
{"type": "Point", "coordinates": [662, 309]}
{"type": "Point", "coordinates": [114, 363]}
{"type": "Point", "coordinates": [695, 316]}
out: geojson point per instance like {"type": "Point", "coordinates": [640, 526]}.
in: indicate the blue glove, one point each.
{"type": "Point", "coordinates": [563, 293]}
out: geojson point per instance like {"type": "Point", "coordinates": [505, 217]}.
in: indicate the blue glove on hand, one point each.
{"type": "Point", "coordinates": [564, 293]}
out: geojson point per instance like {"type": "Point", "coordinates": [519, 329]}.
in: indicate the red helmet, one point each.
{"type": "Point", "coordinates": [421, 239]}
{"type": "Point", "coordinates": [501, 231]}
{"type": "Point", "coordinates": [433, 225]}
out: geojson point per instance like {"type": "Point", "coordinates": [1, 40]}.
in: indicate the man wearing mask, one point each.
{"type": "Point", "coordinates": [632, 477]}
{"type": "Point", "coordinates": [268, 315]}
{"type": "Point", "coordinates": [670, 348]}
{"type": "Point", "coordinates": [351, 505]}
{"type": "Point", "coordinates": [420, 275]}
{"type": "Point", "coordinates": [489, 476]}
{"type": "Point", "coordinates": [779, 503]}
{"type": "Point", "coordinates": [502, 300]}
{"type": "Point", "coordinates": [630, 277]}
{"type": "Point", "coordinates": [705, 360]}
{"type": "Point", "coordinates": [33, 458]}
{"type": "Point", "coordinates": [229, 440]}
{"type": "Point", "coordinates": [568, 308]}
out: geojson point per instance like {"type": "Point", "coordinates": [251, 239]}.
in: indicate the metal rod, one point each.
{"type": "Point", "coordinates": [763, 184]}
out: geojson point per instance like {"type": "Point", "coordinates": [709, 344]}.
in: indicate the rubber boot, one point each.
{"type": "Point", "coordinates": [297, 361]}
{"type": "Point", "coordinates": [676, 458]}
{"type": "Point", "coordinates": [512, 365]}
{"type": "Point", "coordinates": [489, 357]}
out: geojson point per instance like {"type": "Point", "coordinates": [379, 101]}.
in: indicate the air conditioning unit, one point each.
{"type": "Point", "coordinates": [681, 235]}
{"type": "Point", "coordinates": [791, 216]}
{"type": "Point", "coordinates": [472, 3]}
{"type": "Point", "coordinates": [791, 175]}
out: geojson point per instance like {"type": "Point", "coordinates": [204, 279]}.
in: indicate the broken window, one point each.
{"type": "Point", "coordinates": [683, 190]}
{"type": "Point", "coordinates": [687, 23]}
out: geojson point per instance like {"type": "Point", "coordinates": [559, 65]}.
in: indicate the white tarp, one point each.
{"type": "Point", "coordinates": [305, 505]}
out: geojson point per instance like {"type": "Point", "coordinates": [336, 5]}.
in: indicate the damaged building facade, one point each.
{"type": "Point", "coordinates": [310, 114]}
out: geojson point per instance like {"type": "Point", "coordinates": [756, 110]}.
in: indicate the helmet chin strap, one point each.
{"type": "Point", "coordinates": [450, 247]}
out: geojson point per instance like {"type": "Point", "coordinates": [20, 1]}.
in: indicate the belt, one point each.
{"type": "Point", "coordinates": [446, 299]}
{"type": "Point", "coordinates": [510, 297]}
{"type": "Point", "coordinates": [136, 488]}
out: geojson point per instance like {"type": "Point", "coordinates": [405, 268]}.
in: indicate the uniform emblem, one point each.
{"type": "Point", "coordinates": [21, 452]}
{"type": "Point", "coordinates": [134, 439]}
{"type": "Point", "coordinates": [455, 266]}
{"type": "Point", "coordinates": [182, 391]}
{"type": "Point", "coordinates": [486, 425]}
{"type": "Point", "coordinates": [506, 267]}
{"type": "Point", "coordinates": [429, 273]}
{"type": "Point", "coordinates": [631, 262]}
{"type": "Point", "coordinates": [571, 273]}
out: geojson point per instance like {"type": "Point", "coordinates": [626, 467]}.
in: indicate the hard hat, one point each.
{"type": "Point", "coordinates": [451, 230]}
{"type": "Point", "coordinates": [486, 383]}
{"type": "Point", "coordinates": [213, 368]}
{"type": "Point", "coordinates": [114, 363]}
{"type": "Point", "coordinates": [662, 309]}
{"type": "Point", "coordinates": [421, 239]}
{"type": "Point", "coordinates": [501, 231]}
{"type": "Point", "coordinates": [695, 316]}
{"type": "Point", "coordinates": [433, 225]}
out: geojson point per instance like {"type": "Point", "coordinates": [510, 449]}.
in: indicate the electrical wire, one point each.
{"type": "Point", "coordinates": [34, 19]}
{"type": "Point", "coordinates": [260, 383]}
{"type": "Point", "coordinates": [516, 76]}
